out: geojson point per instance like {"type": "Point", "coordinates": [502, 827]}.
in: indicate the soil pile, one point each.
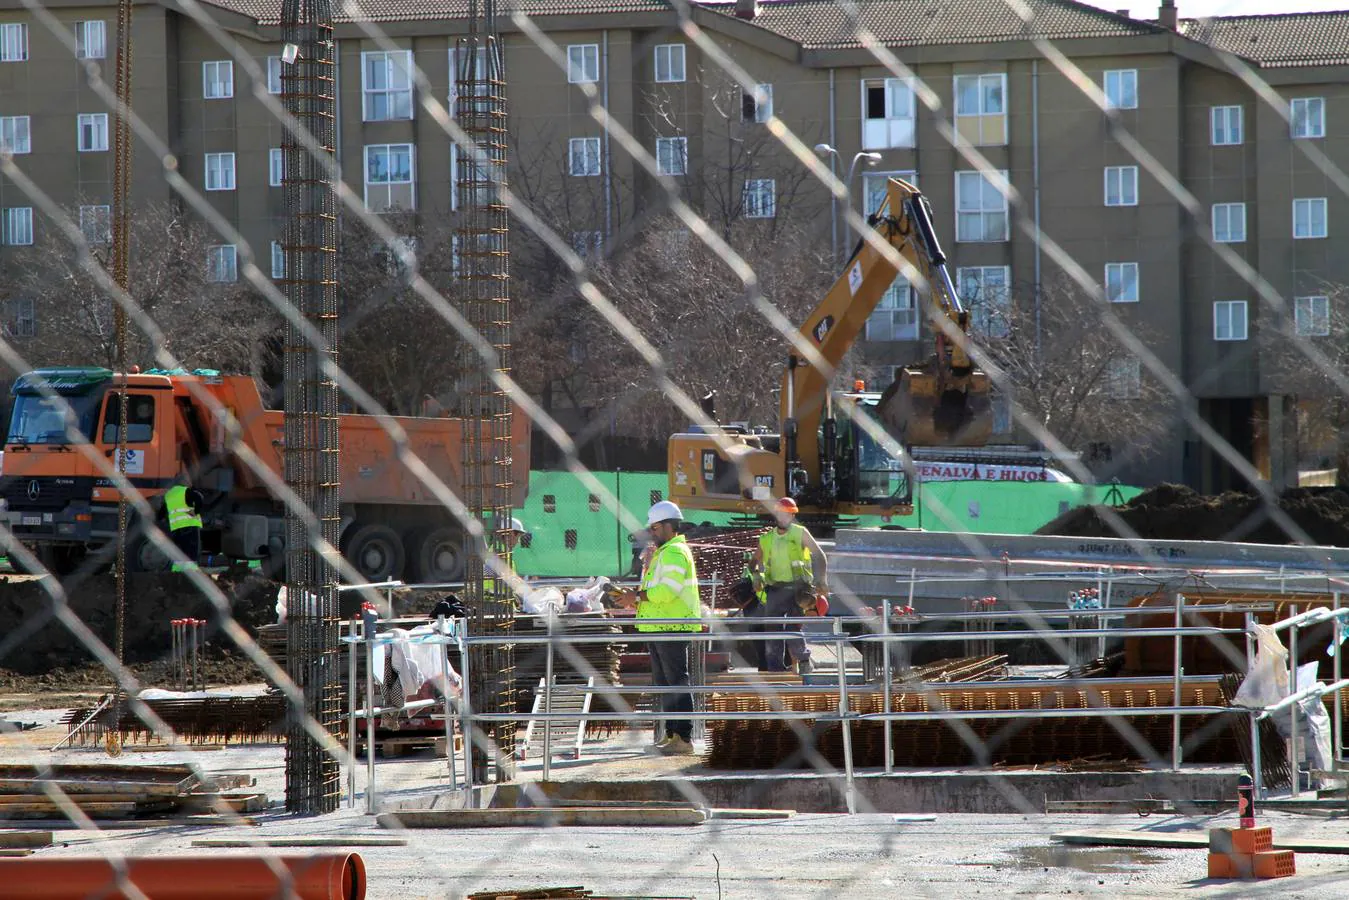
{"type": "Point", "coordinates": [1175, 512]}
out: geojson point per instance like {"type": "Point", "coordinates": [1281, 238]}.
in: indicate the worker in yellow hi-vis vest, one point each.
{"type": "Point", "coordinates": [793, 570]}
{"type": "Point", "coordinates": [181, 504]}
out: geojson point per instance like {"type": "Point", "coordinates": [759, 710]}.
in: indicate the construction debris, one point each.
{"type": "Point", "coordinates": [120, 792]}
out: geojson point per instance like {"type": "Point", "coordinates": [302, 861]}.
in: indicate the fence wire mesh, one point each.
{"type": "Point", "coordinates": [560, 230]}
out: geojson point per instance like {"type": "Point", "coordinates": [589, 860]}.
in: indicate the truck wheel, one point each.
{"type": "Point", "coordinates": [376, 552]}
{"type": "Point", "coordinates": [143, 556]}
{"type": "Point", "coordinates": [436, 555]}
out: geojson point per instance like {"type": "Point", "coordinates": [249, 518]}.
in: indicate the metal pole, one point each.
{"type": "Point", "coordinates": [548, 700]}
{"type": "Point", "coordinates": [1176, 674]}
{"type": "Point", "coordinates": [1256, 778]}
{"type": "Point", "coordinates": [196, 642]}
{"type": "Point", "coordinates": [351, 716]}
{"type": "Point", "coordinates": [466, 713]}
{"type": "Point", "coordinates": [850, 790]}
{"type": "Point", "coordinates": [885, 685]}
{"type": "Point", "coordinates": [1100, 620]}
{"type": "Point", "coordinates": [1338, 636]}
{"type": "Point", "coordinates": [369, 721]}
{"type": "Point", "coordinates": [1293, 711]}
{"type": "Point", "coordinates": [449, 718]}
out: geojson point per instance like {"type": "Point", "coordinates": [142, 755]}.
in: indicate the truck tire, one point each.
{"type": "Point", "coordinates": [142, 555]}
{"type": "Point", "coordinates": [376, 552]}
{"type": "Point", "coordinates": [435, 556]}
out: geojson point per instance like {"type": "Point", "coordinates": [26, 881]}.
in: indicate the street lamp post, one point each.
{"type": "Point", "coordinates": [824, 150]}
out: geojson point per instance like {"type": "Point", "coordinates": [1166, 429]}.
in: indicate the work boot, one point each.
{"type": "Point", "coordinates": [659, 747]}
{"type": "Point", "coordinates": [677, 746]}
{"type": "Point", "coordinates": [805, 667]}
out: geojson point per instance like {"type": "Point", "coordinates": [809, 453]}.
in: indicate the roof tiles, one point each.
{"type": "Point", "coordinates": [1293, 39]}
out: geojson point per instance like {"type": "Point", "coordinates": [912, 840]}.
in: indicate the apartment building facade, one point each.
{"type": "Point", "coordinates": [1215, 173]}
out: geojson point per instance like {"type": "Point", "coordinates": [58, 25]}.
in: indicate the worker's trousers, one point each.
{"type": "Point", "coordinates": [670, 668]}
{"type": "Point", "coordinates": [187, 540]}
{"type": "Point", "coordinates": [782, 603]}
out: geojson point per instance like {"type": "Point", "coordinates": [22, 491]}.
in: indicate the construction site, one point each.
{"type": "Point", "coordinates": [267, 633]}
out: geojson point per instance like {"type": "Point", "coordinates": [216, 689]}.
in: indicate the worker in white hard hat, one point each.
{"type": "Point", "coordinates": [510, 534]}
{"type": "Point", "coordinates": [669, 590]}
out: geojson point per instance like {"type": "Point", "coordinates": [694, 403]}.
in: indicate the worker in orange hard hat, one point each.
{"type": "Point", "coordinates": [792, 570]}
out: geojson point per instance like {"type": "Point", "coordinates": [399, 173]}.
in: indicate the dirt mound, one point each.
{"type": "Point", "coordinates": [1175, 512]}
{"type": "Point", "coordinates": [33, 642]}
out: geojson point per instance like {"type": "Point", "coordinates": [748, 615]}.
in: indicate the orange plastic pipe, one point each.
{"type": "Point", "coordinates": [333, 876]}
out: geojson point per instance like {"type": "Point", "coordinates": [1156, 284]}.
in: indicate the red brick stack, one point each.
{"type": "Point", "coordinates": [1247, 853]}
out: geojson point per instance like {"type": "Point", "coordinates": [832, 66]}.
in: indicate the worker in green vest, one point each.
{"type": "Point", "coordinates": [793, 570]}
{"type": "Point", "coordinates": [180, 507]}
{"type": "Point", "coordinates": [512, 533]}
{"type": "Point", "coordinates": [669, 590]}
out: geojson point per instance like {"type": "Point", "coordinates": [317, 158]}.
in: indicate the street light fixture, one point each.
{"type": "Point", "coordinates": [825, 150]}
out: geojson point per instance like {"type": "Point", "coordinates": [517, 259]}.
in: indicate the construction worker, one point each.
{"type": "Point", "coordinates": [669, 590]}
{"type": "Point", "coordinates": [792, 569]}
{"type": "Point", "coordinates": [180, 507]}
{"type": "Point", "coordinates": [511, 535]}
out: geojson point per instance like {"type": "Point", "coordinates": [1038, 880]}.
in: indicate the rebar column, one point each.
{"type": "Point", "coordinates": [308, 89]}
{"type": "Point", "coordinates": [482, 292]}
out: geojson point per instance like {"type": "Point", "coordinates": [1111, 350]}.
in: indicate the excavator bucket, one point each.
{"type": "Point", "coordinates": [920, 413]}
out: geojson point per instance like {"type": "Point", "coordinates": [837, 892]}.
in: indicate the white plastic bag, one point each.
{"type": "Point", "coordinates": [542, 601]}
{"type": "Point", "coordinates": [1313, 721]}
{"type": "Point", "coordinates": [589, 598]}
{"type": "Point", "coordinates": [1267, 681]}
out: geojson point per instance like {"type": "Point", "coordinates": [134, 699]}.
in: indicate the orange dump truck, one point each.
{"type": "Point", "coordinates": [56, 501]}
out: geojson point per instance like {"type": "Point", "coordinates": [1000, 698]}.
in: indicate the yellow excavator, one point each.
{"type": "Point", "coordinates": [836, 469]}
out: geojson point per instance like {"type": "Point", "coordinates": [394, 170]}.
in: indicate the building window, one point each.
{"type": "Point", "coordinates": [896, 315]}
{"type": "Point", "coordinates": [874, 186]}
{"type": "Point", "coordinates": [669, 63]}
{"type": "Point", "coordinates": [583, 63]}
{"type": "Point", "coordinates": [1121, 282]}
{"type": "Point", "coordinates": [981, 109]}
{"type": "Point", "coordinates": [480, 77]}
{"type": "Point", "coordinates": [759, 198]}
{"type": "Point", "coordinates": [985, 291]}
{"type": "Point", "coordinates": [1225, 125]}
{"type": "Point", "coordinates": [1124, 379]}
{"type": "Point", "coordinates": [1311, 316]}
{"type": "Point", "coordinates": [91, 40]}
{"type": "Point", "coordinates": [588, 244]}
{"type": "Point", "coordinates": [21, 317]}
{"type": "Point", "coordinates": [887, 114]}
{"type": "Point", "coordinates": [217, 80]}
{"type": "Point", "coordinates": [1307, 117]}
{"type": "Point", "coordinates": [583, 156]}
{"type": "Point", "coordinates": [672, 155]}
{"type": "Point", "coordinates": [1309, 217]}
{"type": "Point", "coordinates": [220, 171]}
{"type": "Point", "coordinates": [16, 228]}
{"type": "Point", "coordinates": [474, 185]}
{"type": "Point", "coordinates": [278, 260]}
{"type": "Point", "coordinates": [1229, 320]}
{"type": "Point", "coordinates": [15, 134]}
{"type": "Point", "coordinates": [757, 106]}
{"type": "Point", "coordinates": [1121, 185]}
{"type": "Point", "coordinates": [222, 264]}
{"type": "Point", "coordinates": [1121, 89]}
{"type": "Point", "coordinates": [981, 209]}
{"type": "Point", "coordinates": [389, 177]}
{"type": "Point", "coordinates": [96, 224]}
{"type": "Point", "coordinates": [13, 42]}
{"type": "Point", "coordinates": [1229, 223]}
{"type": "Point", "coordinates": [273, 74]}
{"type": "Point", "coordinates": [276, 167]}
{"type": "Point", "coordinates": [92, 132]}
{"type": "Point", "coordinates": [386, 80]}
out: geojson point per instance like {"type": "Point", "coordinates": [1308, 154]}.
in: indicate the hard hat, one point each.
{"type": "Point", "coordinates": [787, 504]}
{"type": "Point", "coordinates": [663, 511]}
{"type": "Point", "coordinates": [518, 527]}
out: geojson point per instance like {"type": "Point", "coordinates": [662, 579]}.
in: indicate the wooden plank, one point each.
{"type": "Point", "coordinates": [12, 851]}
{"type": "Point", "coordinates": [13, 839]}
{"type": "Point", "coordinates": [1187, 841]}
{"type": "Point", "coordinates": [59, 824]}
{"type": "Point", "coordinates": [751, 813]}
{"type": "Point", "coordinates": [564, 817]}
{"type": "Point", "coordinates": [321, 841]}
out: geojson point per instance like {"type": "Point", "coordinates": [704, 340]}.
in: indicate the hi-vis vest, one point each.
{"type": "Point", "coordinates": [671, 586]}
{"type": "Point", "coordinates": [786, 557]}
{"type": "Point", "coordinates": [181, 513]}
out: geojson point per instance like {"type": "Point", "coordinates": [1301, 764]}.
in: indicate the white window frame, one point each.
{"type": "Point", "coordinates": [222, 264]}
{"type": "Point", "coordinates": [965, 216]}
{"type": "Point", "coordinates": [97, 126]}
{"type": "Point", "coordinates": [274, 69]}
{"type": "Point", "coordinates": [481, 88]}
{"type": "Point", "coordinates": [981, 84]}
{"type": "Point", "coordinates": [394, 92]}
{"type": "Point", "coordinates": [671, 150]}
{"type": "Point", "coordinates": [219, 172]}
{"type": "Point", "coordinates": [1124, 378]}
{"type": "Point", "coordinates": [675, 56]}
{"type": "Point", "coordinates": [1121, 282]}
{"type": "Point", "coordinates": [1227, 126]}
{"type": "Point", "coordinates": [16, 134]}
{"type": "Point", "coordinates": [24, 313]}
{"type": "Point", "coordinates": [278, 260]}
{"type": "Point", "coordinates": [276, 167]}
{"type": "Point", "coordinates": [982, 320]}
{"type": "Point", "coordinates": [895, 317]}
{"type": "Point", "coordinates": [1308, 320]}
{"type": "Point", "coordinates": [13, 42]}
{"type": "Point", "coordinates": [873, 196]}
{"type": "Point", "coordinates": [217, 79]}
{"type": "Point", "coordinates": [1311, 205]}
{"type": "Point", "coordinates": [898, 128]}
{"type": "Point", "coordinates": [759, 198]}
{"type": "Point", "coordinates": [1225, 212]}
{"type": "Point", "coordinates": [1123, 92]}
{"type": "Point", "coordinates": [751, 110]}
{"type": "Point", "coordinates": [1124, 180]}
{"type": "Point", "coordinates": [1303, 126]}
{"type": "Point", "coordinates": [16, 226]}
{"type": "Point", "coordinates": [91, 39]}
{"type": "Point", "coordinates": [1227, 314]}
{"type": "Point", "coordinates": [371, 149]}
{"type": "Point", "coordinates": [583, 63]}
{"type": "Point", "coordinates": [96, 224]}
{"type": "Point", "coordinates": [583, 157]}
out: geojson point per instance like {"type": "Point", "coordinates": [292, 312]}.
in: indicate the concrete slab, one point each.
{"type": "Point", "coordinates": [1190, 841]}
{"type": "Point", "coordinates": [545, 817]}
